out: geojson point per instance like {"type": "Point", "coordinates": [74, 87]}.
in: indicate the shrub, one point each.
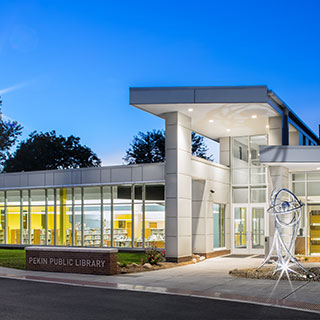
{"type": "Point", "coordinates": [154, 255]}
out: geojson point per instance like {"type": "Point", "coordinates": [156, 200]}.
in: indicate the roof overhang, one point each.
{"type": "Point", "coordinates": [220, 111]}
{"type": "Point", "coordinates": [295, 158]}
{"type": "Point", "coordinates": [214, 111]}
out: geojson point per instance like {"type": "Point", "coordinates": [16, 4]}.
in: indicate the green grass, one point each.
{"type": "Point", "coordinates": [134, 257]}
{"type": "Point", "coordinates": [15, 258]}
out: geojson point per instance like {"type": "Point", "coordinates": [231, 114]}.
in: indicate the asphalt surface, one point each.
{"type": "Point", "coordinates": [34, 300]}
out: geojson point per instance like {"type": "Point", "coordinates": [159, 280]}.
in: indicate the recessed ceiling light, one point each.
{"type": "Point", "coordinates": [267, 126]}
{"type": "Point", "coordinates": [190, 109]}
{"type": "Point", "coordinates": [211, 121]}
{"type": "Point", "coordinates": [228, 130]}
{"type": "Point", "coordinates": [254, 116]}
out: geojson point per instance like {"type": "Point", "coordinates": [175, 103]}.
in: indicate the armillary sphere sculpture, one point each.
{"type": "Point", "coordinates": [286, 209]}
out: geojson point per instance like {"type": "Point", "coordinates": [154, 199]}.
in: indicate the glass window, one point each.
{"type": "Point", "coordinates": [2, 225]}
{"type": "Point", "coordinates": [77, 217]}
{"type": "Point", "coordinates": [298, 177]}
{"type": "Point", "coordinates": [38, 197]}
{"type": "Point", "coordinates": [255, 142]}
{"type": "Point", "coordinates": [258, 228]}
{"type": "Point", "coordinates": [313, 175]}
{"type": "Point", "coordinates": [13, 217]}
{"type": "Point", "coordinates": [258, 175]}
{"type": "Point", "coordinates": [13, 224]}
{"type": "Point", "coordinates": [240, 227]}
{"type": "Point", "coordinates": [38, 225]}
{"type": "Point", "coordinates": [13, 198]}
{"type": "Point", "coordinates": [258, 195]}
{"type": "Point", "coordinates": [218, 225]}
{"type": "Point", "coordinates": [122, 216]}
{"type": "Point", "coordinates": [154, 216]}
{"type": "Point", "coordinates": [240, 195]}
{"type": "Point", "coordinates": [1, 198]}
{"type": "Point", "coordinates": [92, 216]}
{"type": "Point", "coordinates": [298, 188]}
{"type": "Point", "coordinates": [240, 176]}
{"type": "Point", "coordinates": [64, 216]}
{"type": "Point", "coordinates": [313, 189]}
{"type": "Point", "coordinates": [107, 216]}
{"type": "Point", "coordinates": [138, 217]}
{"type": "Point", "coordinates": [240, 152]}
{"type": "Point", "coordinates": [51, 223]}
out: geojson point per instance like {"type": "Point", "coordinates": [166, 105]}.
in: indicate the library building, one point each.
{"type": "Point", "coordinates": [186, 205]}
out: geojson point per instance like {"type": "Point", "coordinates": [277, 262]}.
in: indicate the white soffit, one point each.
{"type": "Point", "coordinates": [294, 167]}
{"type": "Point", "coordinates": [215, 120]}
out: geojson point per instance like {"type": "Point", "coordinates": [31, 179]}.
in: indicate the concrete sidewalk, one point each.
{"type": "Point", "coordinates": [208, 279]}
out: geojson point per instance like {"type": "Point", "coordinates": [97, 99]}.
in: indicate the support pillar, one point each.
{"type": "Point", "coordinates": [178, 233]}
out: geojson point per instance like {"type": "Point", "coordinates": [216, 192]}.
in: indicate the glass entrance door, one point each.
{"type": "Point", "coordinates": [240, 228]}
{"type": "Point", "coordinates": [248, 229]}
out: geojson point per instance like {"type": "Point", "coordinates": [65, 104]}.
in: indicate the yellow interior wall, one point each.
{"type": "Point", "coordinates": [13, 223]}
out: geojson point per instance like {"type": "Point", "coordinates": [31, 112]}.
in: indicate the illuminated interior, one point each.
{"type": "Point", "coordinates": [130, 216]}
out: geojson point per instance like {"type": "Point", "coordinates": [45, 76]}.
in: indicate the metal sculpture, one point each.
{"type": "Point", "coordinates": [286, 209]}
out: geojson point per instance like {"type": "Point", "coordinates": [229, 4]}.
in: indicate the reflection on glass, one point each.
{"type": "Point", "coordinates": [240, 176]}
{"type": "Point", "coordinates": [2, 225]}
{"type": "Point", "coordinates": [314, 218]}
{"type": "Point", "coordinates": [75, 216]}
{"type": "Point", "coordinates": [298, 188]}
{"type": "Point", "coordinates": [258, 195]}
{"type": "Point", "coordinates": [255, 142]}
{"type": "Point", "coordinates": [107, 216]}
{"type": "Point", "coordinates": [92, 216]}
{"type": "Point", "coordinates": [51, 223]}
{"type": "Point", "coordinates": [122, 216]}
{"type": "Point", "coordinates": [138, 217]}
{"type": "Point", "coordinates": [240, 195]}
{"type": "Point", "coordinates": [240, 152]}
{"type": "Point", "coordinates": [64, 217]}
{"type": "Point", "coordinates": [240, 228]}
{"type": "Point", "coordinates": [257, 228]}
{"type": "Point", "coordinates": [154, 216]}
{"type": "Point", "coordinates": [218, 225]}
{"type": "Point", "coordinates": [258, 175]}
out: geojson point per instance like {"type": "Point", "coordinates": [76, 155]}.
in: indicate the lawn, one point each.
{"type": "Point", "coordinates": [15, 258]}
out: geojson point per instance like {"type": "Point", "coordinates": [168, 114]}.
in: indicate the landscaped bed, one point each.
{"type": "Point", "coordinates": [16, 258]}
{"type": "Point", "coordinates": [268, 273]}
{"type": "Point", "coordinates": [128, 262]}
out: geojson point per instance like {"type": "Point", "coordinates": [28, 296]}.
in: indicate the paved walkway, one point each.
{"type": "Point", "coordinates": [209, 279]}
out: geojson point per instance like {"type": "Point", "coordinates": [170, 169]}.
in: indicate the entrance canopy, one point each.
{"type": "Point", "coordinates": [295, 158]}
{"type": "Point", "coordinates": [214, 111]}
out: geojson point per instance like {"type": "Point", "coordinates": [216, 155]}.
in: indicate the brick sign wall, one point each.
{"type": "Point", "coordinates": [75, 260]}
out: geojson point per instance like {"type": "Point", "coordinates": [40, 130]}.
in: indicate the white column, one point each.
{"type": "Point", "coordinates": [178, 187]}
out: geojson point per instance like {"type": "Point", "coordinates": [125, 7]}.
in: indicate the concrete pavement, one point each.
{"type": "Point", "coordinates": [208, 279]}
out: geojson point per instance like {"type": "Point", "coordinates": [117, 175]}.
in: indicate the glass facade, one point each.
{"type": "Point", "coordinates": [306, 186]}
{"type": "Point", "coordinates": [249, 176]}
{"type": "Point", "coordinates": [130, 216]}
{"type": "Point", "coordinates": [218, 225]}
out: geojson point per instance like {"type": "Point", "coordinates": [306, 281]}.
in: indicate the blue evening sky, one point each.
{"type": "Point", "coordinates": [67, 65]}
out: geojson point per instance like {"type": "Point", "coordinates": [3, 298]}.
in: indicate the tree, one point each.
{"type": "Point", "coordinates": [150, 147]}
{"type": "Point", "coordinates": [45, 151]}
{"type": "Point", "coordinates": [9, 133]}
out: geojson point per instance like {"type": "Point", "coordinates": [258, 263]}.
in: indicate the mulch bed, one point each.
{"type": "Point", "coordinates": [268, 273]}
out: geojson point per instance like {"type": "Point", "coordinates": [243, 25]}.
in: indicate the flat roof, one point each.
{"type": "Point", "coordinates": [233, 110]}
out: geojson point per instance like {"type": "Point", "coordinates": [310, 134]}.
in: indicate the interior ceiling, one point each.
{"type": "Point", "coordinates": [227, 119]}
